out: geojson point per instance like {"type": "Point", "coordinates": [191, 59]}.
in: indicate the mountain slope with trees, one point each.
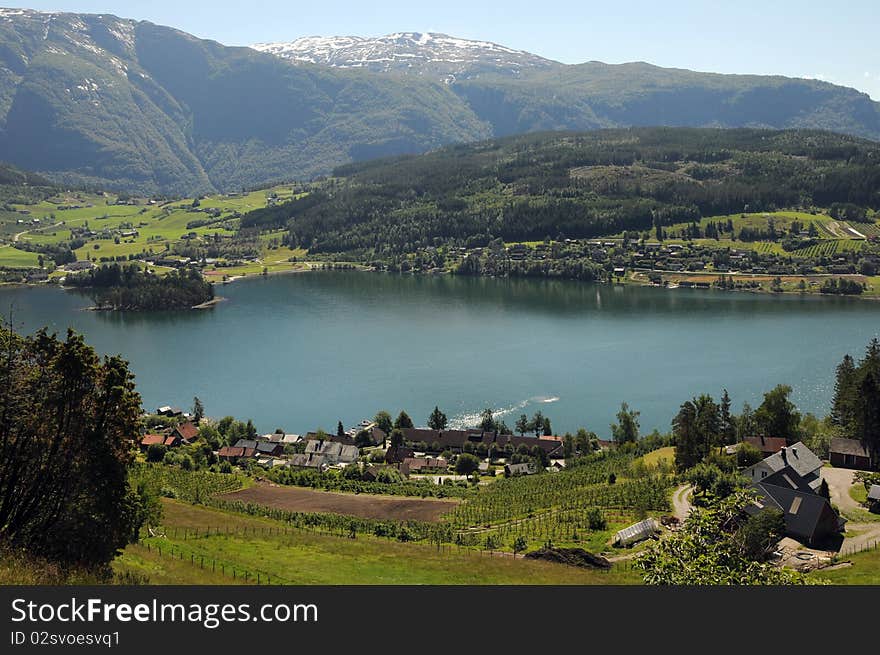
{"type": "Point", "coordinates": [573, 185]}
{"type": "Point", "coordinates": [121, 104]}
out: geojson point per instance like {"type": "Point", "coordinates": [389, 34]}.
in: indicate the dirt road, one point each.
{"type": "Point", "coordinates": [681, 503]}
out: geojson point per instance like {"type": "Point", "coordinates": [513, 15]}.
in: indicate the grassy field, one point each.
{"type": "Point", "coordinates": [264, 547]}
{"type": "Point", "coordinates": [15, 258]}
{"type": "Point", "coordinates": [865, 570]}
{"type": "Point", "coordinates": [653, 458]}
{"type": "Point", "coordinates": [159, 225]}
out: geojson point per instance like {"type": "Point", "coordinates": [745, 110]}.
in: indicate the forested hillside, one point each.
{"type": "Point", "coordinates": [572, 185]}
{"type": "Point", "coordinates": [131, 106]}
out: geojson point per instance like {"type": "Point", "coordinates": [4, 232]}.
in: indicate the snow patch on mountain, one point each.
{"type": "Point", "coordinates": [423, 53]}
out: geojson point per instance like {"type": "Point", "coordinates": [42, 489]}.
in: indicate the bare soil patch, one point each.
{"type": "Point", "coordinates": [369, 506]}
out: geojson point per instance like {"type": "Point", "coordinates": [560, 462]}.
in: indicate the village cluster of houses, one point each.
{"type": "Point", "coordinates": [320, 451]}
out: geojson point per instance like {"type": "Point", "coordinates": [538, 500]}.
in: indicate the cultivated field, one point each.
{"type": "Point", "coordinates": [205, 546]}
{"type": "Point", "coordinates": [298, 499]}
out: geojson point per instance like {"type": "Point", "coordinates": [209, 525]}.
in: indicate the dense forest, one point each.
{"type": "Point", "coordinates": [574, 185]}
{"type": "Point", "coordinates": [130, 288]}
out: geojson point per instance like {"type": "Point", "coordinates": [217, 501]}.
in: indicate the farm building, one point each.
{"type": "Point", "coordinates": [636, 533]}
{"type": "Point", "coordinates": [849, 453]}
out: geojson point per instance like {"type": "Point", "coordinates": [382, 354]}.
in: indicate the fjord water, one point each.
{"type": "Point", "coordinates": [303, 351]}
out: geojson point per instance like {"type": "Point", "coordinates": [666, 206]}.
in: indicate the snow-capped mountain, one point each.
{"type": "Point", "coordinates": [428, 54]}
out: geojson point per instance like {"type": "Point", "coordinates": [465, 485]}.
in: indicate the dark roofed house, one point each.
{"type": "Point", "coordinates": [809, 518]}
{"type": "Point", "coordinates": [423, 464]}
{"type": "Point", "coordinates": [172, 441]}
{"type": "Point", "coordinates": [246, 443]}
{"type": "Point", "coordinates": [307, 460]}
{"type": "Point", "coordinates": [849, 453]}
{"type": "Point", "coordinates": [344, 439]}
{"type": "Point", "coordinates": [333, 452]}
{"type": "Point", "coordinates": [269, 448]}
{"type": "Point", "coordinates": [767, 445]}
{"type": "Point", "coordinates": [455, 440]}
{"type": "Point", "coordinates": [397, 454]}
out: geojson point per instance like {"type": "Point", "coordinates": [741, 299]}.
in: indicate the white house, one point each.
{"type": "Point", "coordinates": [800, 458]}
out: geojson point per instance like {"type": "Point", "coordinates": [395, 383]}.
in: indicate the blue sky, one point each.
{"type": "Point", "coordinates": [837, 42]}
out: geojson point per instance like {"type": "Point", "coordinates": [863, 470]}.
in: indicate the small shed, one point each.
{"type": "Point", "coordinates": [849, 453]}
{"type": "Point", "coordinates": [874, 494]}
{"type": "Point", "coordinates": [636, 533]}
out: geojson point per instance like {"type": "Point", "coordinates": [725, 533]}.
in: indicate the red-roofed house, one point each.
{"type": "Point", "coordinates": [152, 439]}
{"type": "Point", "coordinates": [233, 453]}
{"type": "Point", "coordinates": [186, 431]}
{"type": "Point", "coordinates": [767, 445]}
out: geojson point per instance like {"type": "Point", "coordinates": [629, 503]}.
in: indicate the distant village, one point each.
{"type": "Point", "coordinates": [424, 453]}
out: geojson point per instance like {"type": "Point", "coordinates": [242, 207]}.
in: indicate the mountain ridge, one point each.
{"type": "Point", "coordinates": [105, 101]}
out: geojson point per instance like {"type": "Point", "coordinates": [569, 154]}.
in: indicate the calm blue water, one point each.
{"type": "Point", "coordinates": [304, 351]}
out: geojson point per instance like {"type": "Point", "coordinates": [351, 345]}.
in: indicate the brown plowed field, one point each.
{"type": "Point", "coordinates": [370, 506]}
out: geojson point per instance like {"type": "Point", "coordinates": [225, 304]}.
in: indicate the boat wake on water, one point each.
{"type": "Point", "coordinates": [472, 419]}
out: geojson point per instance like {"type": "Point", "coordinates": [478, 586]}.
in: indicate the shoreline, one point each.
{"type": "Point", "coordinates": [361, 268]}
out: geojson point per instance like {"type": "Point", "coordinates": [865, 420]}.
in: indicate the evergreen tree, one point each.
{"type": "Point", "coordinates": [437, 420]}
{"type": "Point", "coordinates": [728, 424]}
{"type": "Point", "coordinates": [487, 420]}
{"type": "Point", "coordinates": [198, 410]}
{"type": "Point", "coordinates": [537, 424]}
{"type": "Point", "coordinates": [403, 421]}
{"type": "Point", "coordinates": [842, 404]}
{"type": "Point", "coordinates": [522, 424]}
{"type": "Point", "coordinates": [340, 430]}
{"type": "Point", "coordinates": [687, 449]}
